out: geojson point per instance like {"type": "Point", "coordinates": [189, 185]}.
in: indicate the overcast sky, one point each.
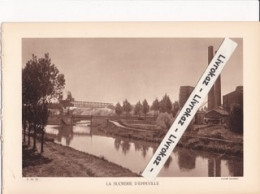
{"type": "Point", "coordinates": [113, 69]}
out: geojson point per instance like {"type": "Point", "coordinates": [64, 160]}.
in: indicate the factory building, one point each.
{"type": "Point", "coordinates": [184, 94]}
{"type": "Point", "coordinates": [216, 113]}
{"type": "Point", "coordinates": [216, 116]}
{"type": "Point", "coordinates": [232, 98]}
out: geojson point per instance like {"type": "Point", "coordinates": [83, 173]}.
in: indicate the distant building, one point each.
{"type": "Point", "coordinates": [232, 98]}
{"type": "Point", "coordinates": [216, 116]}
{"type": "Point", "coordinates": [84, 104]}
{"type": "Point", "coordinates": [184, 94]}
{"type": "Point", "coordinates": [199, 117]}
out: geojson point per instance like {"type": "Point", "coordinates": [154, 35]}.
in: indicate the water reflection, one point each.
{"type": "Point", "coordinates": [135, 155]}
{"type": "Point", "coordinates": [65, 132]}
{"type": "Point", "coordinates": [235, 167]}
{"type": "Point", "coordinates": [168, 162]}
{"type": "Point", "coordinates": [125, 146]}
{"type": "Point", "coordinates": [117, 143]}
{"type": "Point", "coordinates": [214, 167]}
{"type": "Point", "coordinates": [144, 150]}
{"type": "Point", "coordinates": [186, 159]}
{"type": "Point", "coordinates": [138, 146]}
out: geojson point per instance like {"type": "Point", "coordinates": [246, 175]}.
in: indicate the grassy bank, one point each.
{"type": "Point", "coordinates": [62, 161]}
{"type": "Point", "coordinates": [207, 138]}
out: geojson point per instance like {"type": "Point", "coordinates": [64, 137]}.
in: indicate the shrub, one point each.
{"type": "Point", "coordinates": [164, 120]}
{"type": "Point", "coordinates": [236, 118]}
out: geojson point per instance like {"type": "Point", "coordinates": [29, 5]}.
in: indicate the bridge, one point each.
{"type": "Point", "coordinates": [71, 119]}
{"type": "Point", "coordinates": [84, 104]}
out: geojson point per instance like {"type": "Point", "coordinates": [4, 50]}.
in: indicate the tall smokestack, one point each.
{"type": "Point", "coordinates": [211, 95]}
{"type": "Point", "coordinates": [217, 90]}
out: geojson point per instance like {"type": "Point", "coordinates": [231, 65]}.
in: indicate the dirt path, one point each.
{"type": "Point", "coordinates": [61, 161]}
{"type": "Point", "coordinates": [131, 128]}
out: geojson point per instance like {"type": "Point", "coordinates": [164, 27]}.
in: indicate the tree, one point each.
{"type": "Point", "coordinates": [69, 97]}
{"type": "Point", "coordinates": [41, 84]}
{"type": "Point", "coordinates": [236, 118]}
{"type": "Point", "coordinates": [155, 107]}
{"type": "Point", "coordinates": [166, 104]}
{"type": "Point", "coordinates": [164, 120]}
{"type": "Point", "coordinates": [24, 122]}
{"type": "Point", "coordinates": [111, 106]}
{"type": "Point", "coordinates": [138, 109]}
{"type": "Point", "coordinates": [127, 107]}
{"type": "Point", "coordinates": [67, 102]}
{"type": "Point", "coordinates": [175, 108]}
{"type": "Point", "coordinates": [118, 109]}
{"type": "Point", "coordinates": [146, 107]}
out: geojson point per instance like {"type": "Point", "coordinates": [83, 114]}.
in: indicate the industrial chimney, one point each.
{"type": "Point", "coordinates": [214, 96]}
{"type": "Point", "coordinates": [211, 95]}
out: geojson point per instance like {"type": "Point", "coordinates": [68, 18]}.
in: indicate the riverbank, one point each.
{"type": "Point", "coordinates": [212, 138]}
{"type": "Point", "coordinates": [62, 161]}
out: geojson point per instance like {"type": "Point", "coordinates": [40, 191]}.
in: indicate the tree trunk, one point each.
{"type": "Point", "coordinates": [42, 140]}
{"type": "Point", "coordinates": [24, 131]}
{"type": "Point", "coordinates": [29, 135]}
{"type": "Point", "coordinates": [34, 138]}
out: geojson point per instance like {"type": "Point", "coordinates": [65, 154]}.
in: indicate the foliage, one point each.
{"type": "Point", "coordinates": [67, 102]}
{"type": "Point", "coordinates": [236, 118]}
{"type": "Point", "coordinates": [175, 108]}
{"type": "Point", "coordinates": [41, 84]}
{"type": "Point", "coordinates": [138, 108]}
{"type": "Point", "coordinates": [146, 107]}
{"type": "Point", "coordinates": [164, 120]}
{"type": "Point", "coordinates": [69, 97]}
{"type": "Point", "coordinates": [155, 106]}
{"type": "Point", "coordinates": [118, 109]}
{"type": "Point", "coordinates": [41, 81]}
{"type": "Point", "coordinates": [127, 107]}
{"type": "Point", "coordinates": [165, 104]}
{"type": "Point", "coordinates": [111, 106]}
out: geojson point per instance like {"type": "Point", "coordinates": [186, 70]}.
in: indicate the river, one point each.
{"type": "Point", "coordinates": [135, 155]}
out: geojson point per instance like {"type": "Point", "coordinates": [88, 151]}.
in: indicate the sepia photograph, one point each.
{"type": "Point", "coordinates": [99, 107]}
